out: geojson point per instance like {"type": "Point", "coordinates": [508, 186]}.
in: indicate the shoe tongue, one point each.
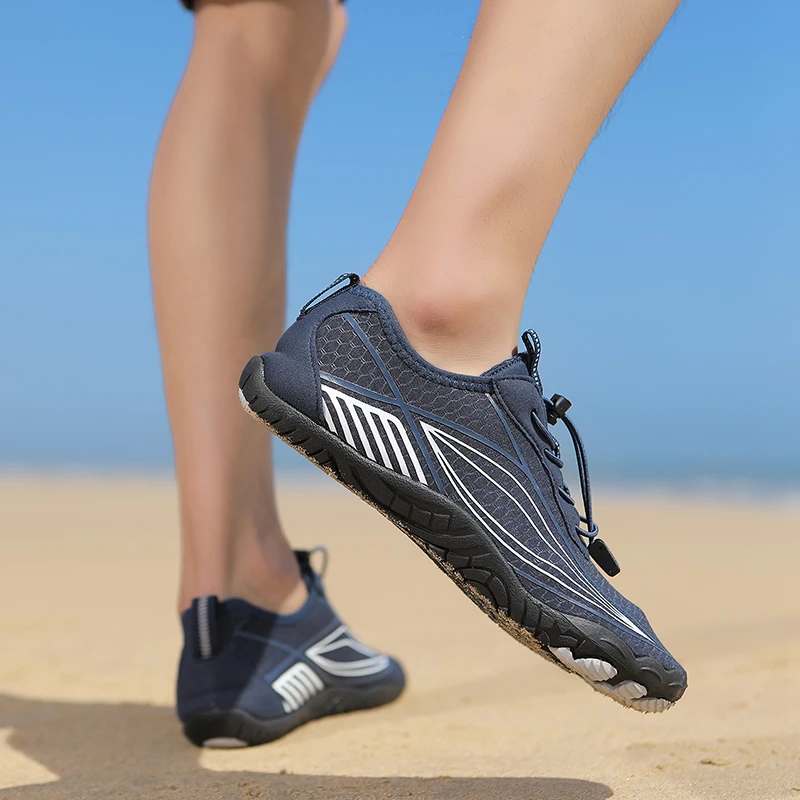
{"type": "Point", "coordinates": [517, 367]}
{"type": "Point", "coordinates": [510, 368]}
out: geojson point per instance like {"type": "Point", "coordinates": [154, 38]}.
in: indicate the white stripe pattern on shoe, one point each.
{"type": "Point", "coordinates": [386, 432]}
{"type": "Point", "coordinates": [569, 576]}
{"type": "Point", "coordinates": [341, 639]}
{"type": "Point", "coordinates": [297, 686]}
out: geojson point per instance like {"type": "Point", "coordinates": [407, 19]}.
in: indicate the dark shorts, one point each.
{"type": "Point", "coordinates": [190, 4]}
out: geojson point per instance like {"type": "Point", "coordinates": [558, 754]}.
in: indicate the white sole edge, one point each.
{"type": "Point", "coordinates": [246, 407]}
{"type": "Point", "coordinates": [224, 743]}
{"type": "Point", "coordinates": [597, 673]}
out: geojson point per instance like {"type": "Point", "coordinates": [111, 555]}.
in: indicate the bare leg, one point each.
{"type": "Point", "coordinates": [538, 80]}
{"type": "Point", "coordinates": [218, 212]}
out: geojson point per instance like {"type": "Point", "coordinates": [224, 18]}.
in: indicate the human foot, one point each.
{"type": "Point", "coordinates": [467, 467]}
{"type": "Point", "coordinates": [248, 676]}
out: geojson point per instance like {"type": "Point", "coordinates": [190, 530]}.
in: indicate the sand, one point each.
{"type": "Point", "coordinates": [90, 641]}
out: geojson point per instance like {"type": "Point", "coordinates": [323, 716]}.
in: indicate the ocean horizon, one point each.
{"type": "Point", "coordinates": [721, 481]}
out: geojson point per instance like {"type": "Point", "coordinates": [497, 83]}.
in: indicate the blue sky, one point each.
{"type": "Point", "coordinates": [666, 296]}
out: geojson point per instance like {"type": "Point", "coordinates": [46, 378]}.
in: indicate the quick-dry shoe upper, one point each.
{"type": "Point", "coordinates": [239, 656]}
{"type": "Point", "coordinates": [482, 441]}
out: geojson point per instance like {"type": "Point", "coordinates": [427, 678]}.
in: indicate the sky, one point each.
{"type": "Point", "coordinates": [666, 296]}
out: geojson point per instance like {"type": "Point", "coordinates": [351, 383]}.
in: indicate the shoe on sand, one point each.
{"type": "Point", "coordinates": [248, 676]}
{"type": "Point", "coordinates": [467, 467]}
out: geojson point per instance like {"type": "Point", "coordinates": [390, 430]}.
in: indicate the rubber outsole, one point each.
{"type": "Point", "coordinates": [226, 728]}
{"type": "Point", "coordinates": [452, 538]}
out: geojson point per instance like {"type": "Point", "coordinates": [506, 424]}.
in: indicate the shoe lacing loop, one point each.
{"type": "Point", "coordinates": [556, 408]}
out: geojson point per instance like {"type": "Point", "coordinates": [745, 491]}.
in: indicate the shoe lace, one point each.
{"type": "Point", "coordinates": [556, 408]}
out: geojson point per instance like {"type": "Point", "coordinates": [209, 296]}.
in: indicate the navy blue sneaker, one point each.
{"type": "Point", "coordinates": [248, 676]}
{"type": "Point", "coordinates": [468, 468]}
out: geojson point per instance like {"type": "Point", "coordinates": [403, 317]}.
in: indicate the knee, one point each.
{"type": "Point", "coordinates": [278, 41]}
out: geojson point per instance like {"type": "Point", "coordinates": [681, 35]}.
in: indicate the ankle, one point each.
{"type": "Point", "coordinates": [253, 566]}
{"type": "Point", "coordinates": [459, 325]}
{"type": "Point", "coordinates": [282, 593]}
{"type": "Point", "coordinates": [265, 572]}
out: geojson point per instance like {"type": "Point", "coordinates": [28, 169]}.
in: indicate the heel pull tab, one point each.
{"type": "Point", "coordinates": [350, 277]}
{"type": "Point", "coordinates": [310, 576]}
{"type": "Point", "coordinates": [320, 548]}
{"type": "Point", "coordinates": [206, 613]}
{"type": "Point", "coordinates": [533, 348]}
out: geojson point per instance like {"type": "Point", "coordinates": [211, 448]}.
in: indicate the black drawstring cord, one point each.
{"type": "Point", "coordinates": [557, 407]}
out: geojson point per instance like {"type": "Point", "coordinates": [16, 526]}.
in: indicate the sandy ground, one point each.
{"type": "Point", "coordinates": [89, 646]}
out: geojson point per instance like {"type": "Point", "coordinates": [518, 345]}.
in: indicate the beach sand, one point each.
{"type": "Point", "coordinates": [90, 642]}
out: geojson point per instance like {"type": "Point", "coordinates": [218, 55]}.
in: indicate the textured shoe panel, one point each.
{"type": "Point", "coordinates": [247, 651]}
{"type": "Point", "coordinates": [471, 409]}
{"type": "Point", "coordinates": [377, 429]}
{"type": "Point", "coordinates": [341, 353]}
